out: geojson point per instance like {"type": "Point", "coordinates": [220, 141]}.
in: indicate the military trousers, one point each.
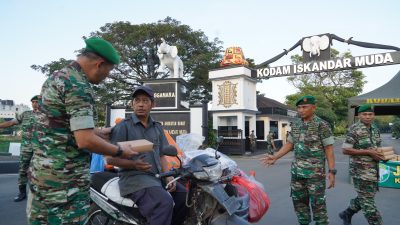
{"type": "Point", "coordinates": [308, 194]}
{"type": "Point", "coordinates": [270, 149]}
{"type": "Point", "coordinates": [46, 208]}
{"type": "Point", "coordinates": [365, 200]}
{"type": "Point", "coordinates": [24, 161]}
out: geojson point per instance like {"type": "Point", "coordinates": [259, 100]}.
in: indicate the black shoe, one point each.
{"type": "Point", "coordinates": [22, 193]}
{"type": "Point", "coordinates": [346, 216]}
{"type": "Point", "coordinates": [20, 197]}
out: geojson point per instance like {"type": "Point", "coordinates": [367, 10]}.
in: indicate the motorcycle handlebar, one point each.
{"type": "Point", "coordinates": [167, 174]}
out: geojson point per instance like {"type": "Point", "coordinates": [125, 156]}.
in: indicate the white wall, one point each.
{"type": "Point", "coordinates": [249, 95]}
{"type": "Point", "coordinates": [115, 113]}
{"type": "Point", "coordinates": [196, 120]}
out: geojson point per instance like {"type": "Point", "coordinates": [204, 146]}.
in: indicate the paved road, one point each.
{"type": "Point", "coordinates": [276, 180]}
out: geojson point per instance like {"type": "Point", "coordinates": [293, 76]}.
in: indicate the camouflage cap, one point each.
{"type": "Point", "coordinates": [35, 98]}
{"type": "Point", "coordinates": [304, 100]}
{"type": "Point", "coordinates": [103, 48]}
{"type": "Point", "coordinates": [366, 108]}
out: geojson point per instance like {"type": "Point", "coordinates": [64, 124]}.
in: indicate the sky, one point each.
{"type": "Point", "coordinates": [41, 31]}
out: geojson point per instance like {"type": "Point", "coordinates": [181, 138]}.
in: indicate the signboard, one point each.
{"type": "Point", "coordinates": [381, 59]}
{"type": "Point", "coordinates": [389, 174]}
{"type": "Point", "coordinates": [165, 94]}
{"type": "Point", "coordinates": [175, 123]}
{"type": "Point", "coordinates": [382, 100]}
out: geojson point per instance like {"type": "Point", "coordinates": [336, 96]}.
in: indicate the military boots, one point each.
{"type": "Point", "coordinates": [22, 193]}
{"type": "Point", "coordinates": [346, 216]}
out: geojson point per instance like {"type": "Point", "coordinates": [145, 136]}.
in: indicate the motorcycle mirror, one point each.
{"type": "Point", "coordinates": [220, 139]}
{"type": "Point", "coordinates": [170, 150]}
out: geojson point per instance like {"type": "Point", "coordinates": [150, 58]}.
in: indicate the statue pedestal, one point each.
{"type": "Point", "coordinates": [169, 93]}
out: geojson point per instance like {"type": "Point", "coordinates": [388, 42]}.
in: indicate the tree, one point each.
{"type": "Point", "coordinates": [137, 44]}
{"type": "Point", "coordinates": [331, 89]}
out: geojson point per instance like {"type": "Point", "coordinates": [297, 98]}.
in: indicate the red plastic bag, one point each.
{"type": "Point", "coordinates": [259, 200]}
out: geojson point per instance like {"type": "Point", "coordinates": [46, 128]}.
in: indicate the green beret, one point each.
{"type": "Point", "coordinates": [304, 100]}
{"type": "Point", "coordinates": [103, 48]}
{"type": "Point", "coordinates": [366, 108]}
{"type": "Point", "coordinates": [36, 97]}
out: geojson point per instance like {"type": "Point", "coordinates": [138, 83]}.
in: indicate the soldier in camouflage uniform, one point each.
{"type": "Point", "coordinates": [270, 143]}
{"type": "Point", "coordinates": [26, 119]}
{"type": "Point", "coordinates": [312, 141]}
{"type": "Point", "coordinates": [65, 133]}
{"type": "Point", "coordinates": [361, 144]}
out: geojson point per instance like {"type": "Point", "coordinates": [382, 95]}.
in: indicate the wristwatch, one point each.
{"type": "Point", "coordinates": [119, 152]}
{"type": "Point", "coordinates": [333, 171]}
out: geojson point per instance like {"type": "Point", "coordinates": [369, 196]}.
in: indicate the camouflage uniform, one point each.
{"type": "Point", "coordinates": [253, 141]}
{"type": "Point", "coordinates": [27, 120]}
{"type": "Point", "coordinates": [270, 139]}
{"type": "Point", "coordinates": [60, 172]}
{"type": "Point", "coordinates": [308, 169]}
{"type": "Point", "coordinates": [364, 170]}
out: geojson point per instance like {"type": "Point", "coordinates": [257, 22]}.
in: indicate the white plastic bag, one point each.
{"type": "Point", "coordinates": [226, 162]}
{"type": "Point", "coordinates": [189, 142]}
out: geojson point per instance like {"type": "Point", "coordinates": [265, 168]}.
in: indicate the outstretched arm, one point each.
{"type": "Point", "coordinates": [271, 159]}
{"type": "Point", "coordinates": [8, 123]}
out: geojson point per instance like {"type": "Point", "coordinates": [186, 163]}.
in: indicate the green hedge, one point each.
{"type": "Point", "coordinates": [4, 146]}
{"type": "Point", "coordinates": [5, 142]}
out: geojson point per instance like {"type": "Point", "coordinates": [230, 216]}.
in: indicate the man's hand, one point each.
{"type": "Point", "coordinates": [103, 132]}
{"type": "Point", "coordinates": [140, 164]}
{"type": "Point", "coordinates": [268, 160]}
{"type": "Point", "coordinates": [127, 152]}
{"type": "Point", "coordinates": [172, 186]}
{"type": "Point", "coordinates": [331, 178]}
{"type": "Point", "coordinates": [375, 154]}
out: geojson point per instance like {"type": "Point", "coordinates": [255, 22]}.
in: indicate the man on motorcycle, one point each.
{"type": "Point", "coordinates": [137, 180]}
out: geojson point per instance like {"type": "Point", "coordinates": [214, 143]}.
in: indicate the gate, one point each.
{"type": "Point", "coordinates": [233, 142]}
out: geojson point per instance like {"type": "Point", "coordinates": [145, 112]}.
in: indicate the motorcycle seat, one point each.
{"type": "Point", "coordinates": [111, 190]}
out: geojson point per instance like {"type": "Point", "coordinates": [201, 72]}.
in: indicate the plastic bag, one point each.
{"type": "Point", "coordinates": [226, 162]}
{"type": "Point", "coordinates": [259, 200]}
{"type": "Point", "coordinates": [97, 164]}
{"type": "Point", "coordinates": [188, 142]}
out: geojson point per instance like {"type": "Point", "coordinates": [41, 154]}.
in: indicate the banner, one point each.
{"type": "Point", "coordinates": [381, 59]}
{"type": "Point", "coordinates": [389, 174]}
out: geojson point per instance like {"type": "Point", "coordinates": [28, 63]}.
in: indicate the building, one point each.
{"type": "Point", "coordinates": [237, 110]}
{"type": "Point", "coordinates": [274, 116]}
{"type": "Point", "coordinates": [8, 109]}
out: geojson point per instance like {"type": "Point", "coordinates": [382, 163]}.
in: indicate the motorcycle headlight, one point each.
{"type": "Point", "coordinates": [211, 173]}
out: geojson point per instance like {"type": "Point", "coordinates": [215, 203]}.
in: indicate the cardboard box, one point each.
{"type": "Point", "coordinates": [396, 158]}
{"type": "Point", "coordinates": [141, 145]}
{"type": "Point", "coordinates": [389, 157]}
{"type": "Point", "coordinates": [387, 153]}
{"type": "Point", "coordinates": [386, 149]}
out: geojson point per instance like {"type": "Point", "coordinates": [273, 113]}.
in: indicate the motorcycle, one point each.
{"type": "Point", "coordinates": [211, 198]}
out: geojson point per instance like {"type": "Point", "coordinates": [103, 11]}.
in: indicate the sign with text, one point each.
{"type": "Point", "coordinates": [165, 95]}
{"type": "Point", "coordinates": [389, 174]}
{"type": "Point", "coordinates": [382, 100]}
{"type": "Point", "coordinates": [381, 59]}
{"type": "Point", "coordinates": [175, 123]}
